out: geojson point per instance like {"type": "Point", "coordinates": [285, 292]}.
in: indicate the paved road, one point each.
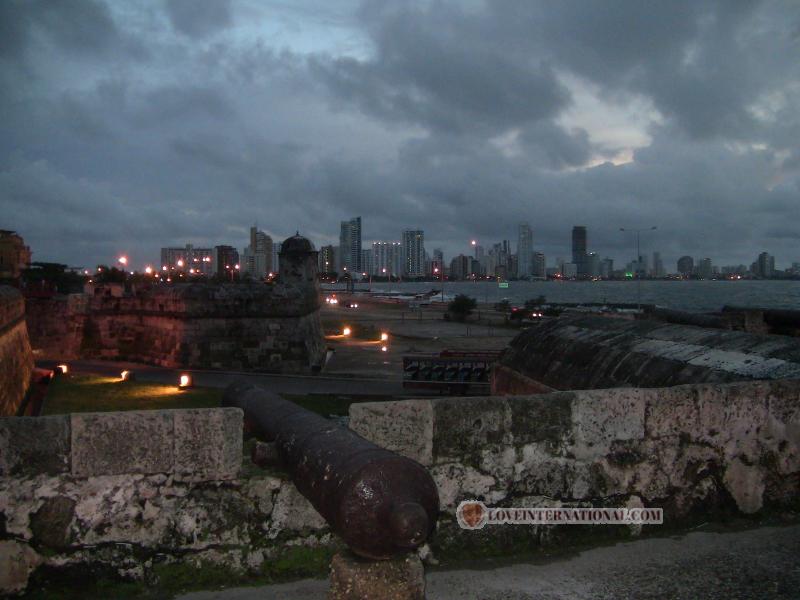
{"type": "Point", "coordinates": [281, 384]}
{"type": "Point", "coordinates": [756, 563]}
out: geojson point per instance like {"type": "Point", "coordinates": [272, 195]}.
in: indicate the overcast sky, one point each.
{"type": "Point", "coordinates": [130, 125]}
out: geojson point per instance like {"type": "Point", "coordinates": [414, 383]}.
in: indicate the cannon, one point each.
{"type": "Point", "coordinates": [380, 503]}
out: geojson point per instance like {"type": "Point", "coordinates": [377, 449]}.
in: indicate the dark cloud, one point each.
{"type": "Point", "coordinates": [199, 19]}
{"type": "Point", "coordinates": [128, 127]}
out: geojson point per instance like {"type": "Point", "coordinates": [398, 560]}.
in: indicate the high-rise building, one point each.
{"type": "Point", "coordinates": [592, 265]}
{"type": "Point", "coordinates": [326, 259]}
{"type": "Point", "coordinates": [257, 257]}
{"type": "Point", "coordinates": [367, 262]}
{"type": "Point", "coordinates": [686, 266]}
{"type": "Point", "coordinates": [606, 268]}
{"type": "Point", "coordinates": [460, 267]}
{"type": "Point", "coordinates": [765, 264]}
{"type": "Point", "coordinates": [350, 245]}
{"type": "Point", "coordinates": [658, 266]}
{"type": "Point", "coordinates": [188, 260]}
{"type": "Point", "coordinates": [524, 251]}
{"type": "Point", "coordinates": [705, 269]}
{"type": "Point", "coordinates": [539, 268]}
{"type": "Point", "coordinates": [224, 260]}
{"type": "Point", "coordinates": [387, 259]}
{"type": "Point", "coordinates": [414, 252]}
{"type": "Point", "coordinates": [14, 255]}
{"type": "Point", "coordinates": [569, 270]}
{"type": "Point", "coordinates": [579, 248]}
{"type": "Point", "coordinates": [276, 253]}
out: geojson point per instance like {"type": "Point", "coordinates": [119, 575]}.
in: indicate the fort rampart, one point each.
{"type": "Point", "coordinates": [16, 360]}
{"type": "Point", "coordinates": [241, 326]}
{"type": "Point", "coordinates": [140, 495]}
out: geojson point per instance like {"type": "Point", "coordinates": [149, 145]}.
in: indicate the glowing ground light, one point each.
{"type": "Point", "coordinates": [148, 270]}
{"type": "Point", "coordinates": [346, 331]}
{"type": "Point", "coordinates": [384, 349]}
{"type": "Point", "coordinates": [384, 337]}
{"type": "Point", "coordinates": [63, 368]}
{"type": "Point", "coordinates": [126, 376]}
{"type": "Point", "coordinates": [185, 381]}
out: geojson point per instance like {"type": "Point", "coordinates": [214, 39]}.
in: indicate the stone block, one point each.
{"type": "Point", "coordinates": [405, 426]}
{"type": "Point", "coordinates": [34, 445]}
{"type": "Point", "coordinates": [601, 417]}
{"type": "Point", "coordinates": [122, 442]}
{"type": "Point", "coordinates": [292, 512]}
{"type": "Point", "coordinates": [17, 561]}
{"type": "Point", "coordinates": [208, 443]}
{"type": "Point", "coordinates": [354, 578]}
{"type": "Point", "coordinates": [464, 427]}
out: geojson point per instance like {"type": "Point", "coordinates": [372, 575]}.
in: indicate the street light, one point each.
{"type": "Point", "coordinates": [638, 263]}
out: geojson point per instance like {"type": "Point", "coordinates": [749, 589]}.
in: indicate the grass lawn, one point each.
{"type": "Point", "coordinates": [92, 393]}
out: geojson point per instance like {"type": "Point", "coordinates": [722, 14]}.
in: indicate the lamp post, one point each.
{"type": "Point", "coordinates": [638, 263]}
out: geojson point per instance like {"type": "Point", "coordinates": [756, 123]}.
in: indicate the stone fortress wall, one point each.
{"type": "Point", "coordinates": [16, 359]}
{"type": "Point", "coordinates": [130, 495]}
{"type": "Point", "coordinates": [255, 326]}
{"type": "Point", "coordinates": [697, 451]}
{"type": "Point", "coordinates": [579, 352]}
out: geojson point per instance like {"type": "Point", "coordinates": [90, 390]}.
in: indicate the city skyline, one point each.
{"type": "Point", "coordinates": [131, 127]}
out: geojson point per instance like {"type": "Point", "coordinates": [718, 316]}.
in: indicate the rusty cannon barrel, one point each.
{"type": "Point", "coordinates": [378, 502]}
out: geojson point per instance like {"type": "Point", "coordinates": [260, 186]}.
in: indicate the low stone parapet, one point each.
{"type": "Point", "coordinates": [145, 496]}
{"type": "Point", "coordinates": [203, 443]}
{"type": "Point", "coordinates": [692, 449]}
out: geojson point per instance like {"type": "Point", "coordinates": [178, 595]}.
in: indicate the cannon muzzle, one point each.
{"type": "Point", "coordinates": [378, 502]}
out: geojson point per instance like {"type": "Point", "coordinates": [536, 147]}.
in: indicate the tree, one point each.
{"type": "Point", "coordinates": [461, 307]}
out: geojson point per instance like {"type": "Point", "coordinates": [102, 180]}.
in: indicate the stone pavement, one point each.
{"type": "Point", "coordinates": [756, 563]}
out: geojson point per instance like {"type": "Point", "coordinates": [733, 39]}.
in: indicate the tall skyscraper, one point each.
{"type": "Point", "coordinates": [592, 265]}
{"type": "Point", "coordinates": [525, 251]}
{"type": "Point", "coordinates": [350, 245]}
{"type": "Point", "coordinates": [225, 259]}
{"type": "Point", "coordinates": [414, 252]}
{"type": "Point", "coordinates": [539, 266]}
{"type": "Point", "coordinates": [579, 249]}
{"type": "Point", "coordinates": [387, 259]}
{"type": "Point", "coordinates": [686, 266]}
{"type": "Point", "coordinates": [705, 269]}
{"type": "Point", "coordinates": [326, 259]}
{"type": "Point", "coordinates": [257, 257]}
{"type": "Point", "coordinates": [658, 266]}
{"type": "Point", "coordinates": [188, 259]}
{"type": "Point", "coordinates": [765, 265]}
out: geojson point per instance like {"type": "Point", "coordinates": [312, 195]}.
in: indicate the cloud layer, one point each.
{"type": "Point", "coordinates": [128, 126]}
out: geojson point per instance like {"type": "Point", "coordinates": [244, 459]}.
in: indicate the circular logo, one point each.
{"type": "Point", "coordinates": [471, 514]}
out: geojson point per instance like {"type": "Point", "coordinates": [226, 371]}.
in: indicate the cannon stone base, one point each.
{"type": "Point", "coordinates": [354, 578]}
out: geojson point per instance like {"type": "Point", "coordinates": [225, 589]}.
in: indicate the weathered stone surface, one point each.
{"type": "Point", "coordinates": [588, 352]}
{"type": "Point", "coordinates": [208, 443]}
{"type": "Point", "coordinates": [405, 426]}
{"type": "Point", "coordinates": [200, 444]}
{"type": "Point", "coordinates": [197, 325]}
{"type": "Point", "coordinates": [682, 448]}
{"type": "Point", "coordinates": [353, 578]}
{"type": "Point", "coordinates": [34, 445]}
{"type": "Point", "coordinates": [16, 357]}
{"type": "Point", "coordinates": [292, 512]}
{"type": "Point", "coordinates": [50, 525]}
{"type": "Point", "coordinates": [17, 561]}
{"type": "Point", "coordinates": [122, 442]}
